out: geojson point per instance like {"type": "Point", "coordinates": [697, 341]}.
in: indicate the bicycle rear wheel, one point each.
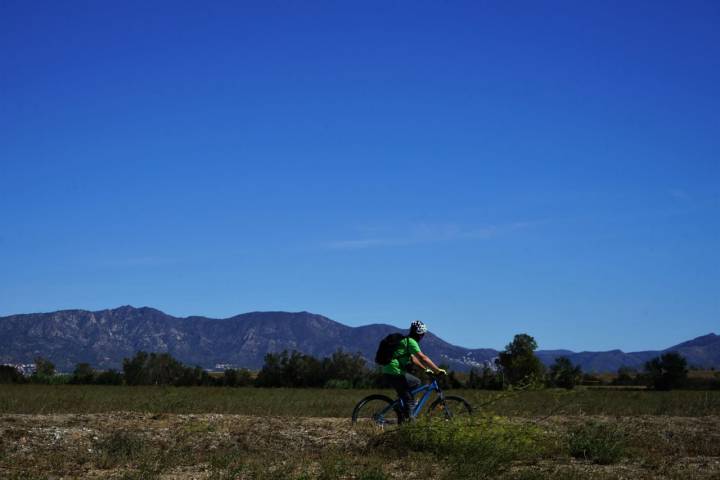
{"type": "Point", "coordinates": [450, 408]}
{"type": "Point", "coordinates": [376, 411]}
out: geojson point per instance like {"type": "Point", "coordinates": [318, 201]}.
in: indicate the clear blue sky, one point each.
{"type": "Point", "coordinates": [488, 167]}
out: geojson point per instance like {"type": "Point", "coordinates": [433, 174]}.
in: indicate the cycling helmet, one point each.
{"type": "Point", "coordinates": [418, 327]}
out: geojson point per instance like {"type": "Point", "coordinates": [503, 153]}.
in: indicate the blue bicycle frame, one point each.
{"type": "Point", "coordinates": [428, 388]}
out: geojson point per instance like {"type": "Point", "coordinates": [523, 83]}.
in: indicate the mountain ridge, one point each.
{"type": "Point", "coordinates": [104, 337]}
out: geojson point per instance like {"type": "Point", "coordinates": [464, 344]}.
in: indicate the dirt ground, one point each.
{"type": "Point", "coordinates": [208, 446]}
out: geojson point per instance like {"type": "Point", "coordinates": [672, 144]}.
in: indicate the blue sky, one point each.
{"type": "Point", "coordinates": [491, 168]}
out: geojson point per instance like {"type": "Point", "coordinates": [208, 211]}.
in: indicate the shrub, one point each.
{"type": "Point", "coordinates": [475, 449]}
{"type": "Point", "coordinates": [598, 442]}
{"type": "Point", "coordinates": [119, 448]}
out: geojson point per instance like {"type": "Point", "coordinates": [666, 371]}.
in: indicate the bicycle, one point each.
{"type": "Point", "coordinates": [381, 410]}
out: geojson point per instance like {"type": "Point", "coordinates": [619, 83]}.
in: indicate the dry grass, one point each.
{"type": "Point", "coordinates": [224, 446]}
{"type": "Point", "coordinates": [194, 434]}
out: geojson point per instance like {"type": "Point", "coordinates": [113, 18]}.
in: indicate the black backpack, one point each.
{"type": "Point", "coordinates": [387, 348]}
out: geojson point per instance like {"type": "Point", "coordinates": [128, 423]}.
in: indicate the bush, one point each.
{"type": "Point", "coordinates": [598, 442]}
{"type": "Point", "coordinates": [476, 449]}
{"type": "Point", "coordinates": [119, 448]}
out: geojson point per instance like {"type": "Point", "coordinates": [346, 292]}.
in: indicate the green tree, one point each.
{"type": "Point", "coordinates": [345, 367]}
{"type": "Point", "coordinates": [10, 374]}
{"type": "Point", "coordinates": [487, 378]}
{"type": "Point", "coordinates": [271, 374]}
{"type": "Point", "coordinates": [237, 377]}
{"type": "Point", "coordinates": [160, 369]}
{"type": "Point", "coordinates": [134, 369]}
{"type": "Point", "coordinates": [84, 374]}
{"type": "Point", "coordinates": [448, 381]}
{"type": "Point", "coordinates": [519, 364]}
{"type": "Point", "coordinates": [44, 367]}
{"type": "Point", "coordinates": [667, 371]}
{"type": "Point", "coordinates": [109, 377]}
{"type": "Point", "coordinates": [625, 376]}
{"type": "Point", "coordinates": [44, 371]}
{"type": "Point", "coordinates": [564, 374]}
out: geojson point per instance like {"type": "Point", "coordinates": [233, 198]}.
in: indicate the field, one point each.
{"type": "Point", "coordinates": [221, 433]}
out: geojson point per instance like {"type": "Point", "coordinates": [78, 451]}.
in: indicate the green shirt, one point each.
{"type": "Point", "coordinates": [401, 357]}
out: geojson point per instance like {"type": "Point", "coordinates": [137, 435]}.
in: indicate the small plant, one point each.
{"type": "Point", "coordinates": [600, 443]}
{"type": "Point", "coordinates": [374, 473]}
{"type": "Point", "coordinates": [119, 448]}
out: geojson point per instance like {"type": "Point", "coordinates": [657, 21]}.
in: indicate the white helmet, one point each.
{"type": "Point", "coordinates": [418, 327]}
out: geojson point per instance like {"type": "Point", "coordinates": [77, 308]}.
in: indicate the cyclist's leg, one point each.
{"type": "Point", "coordinates": [400, 384]}
{"type": "Point", "coordinates": [411, 383]}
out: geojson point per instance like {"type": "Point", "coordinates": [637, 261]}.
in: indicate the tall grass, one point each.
{"type": "Point", "coordinates": [339, 403]}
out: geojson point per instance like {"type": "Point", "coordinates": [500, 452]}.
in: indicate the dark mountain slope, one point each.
{"type": "Point", "coordinates": [105, 337]}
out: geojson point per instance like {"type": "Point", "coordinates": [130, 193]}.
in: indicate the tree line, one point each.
{"type": "Point", "coordinates": [516, 367]}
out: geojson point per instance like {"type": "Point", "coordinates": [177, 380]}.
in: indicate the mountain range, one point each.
{"type": "Point", "coordinates": [103, 338]}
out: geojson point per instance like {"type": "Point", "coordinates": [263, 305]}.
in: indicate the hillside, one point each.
{"type": "Point", "coordinates": [103, 338]}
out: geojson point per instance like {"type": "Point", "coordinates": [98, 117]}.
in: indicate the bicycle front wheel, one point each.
{"type": "Point", "coordinates": [450, 408]}
{"type": "Point", "coordinates": [375, 410]}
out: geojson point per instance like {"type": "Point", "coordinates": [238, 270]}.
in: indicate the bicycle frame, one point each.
{"type": "Point", "coordinates": [428, 388]}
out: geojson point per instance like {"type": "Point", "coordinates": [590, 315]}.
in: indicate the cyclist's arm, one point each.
{"type": "Point", "coordinates": [423, 361]}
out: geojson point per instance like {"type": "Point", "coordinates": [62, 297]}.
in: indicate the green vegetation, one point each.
{"type": "Point", "coordinates": [563, 374]}
{"type": "Point", "coordinates": [598, 442]}
{"type": "Point", "coordinates": [297, 370]}
{"type": "Point", "coordinates": [132, 445]}
{"type": "Point", "coordinates": [9, 374]}
{"type": "Point", "coordinates": [519, 364]}
{"type": "Point", "coordinates": [517, 367]}
{"type": "Point", "coordinates": [482, 447]}
{"type": "Point", "coordinates": [667, 371]}
{"type": "Point", "coordinates": [31, 398]}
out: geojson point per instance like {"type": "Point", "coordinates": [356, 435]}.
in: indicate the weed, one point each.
{"type": "Point", "coordinates": [598, 442]}
{"type": "Point", "coordinates": [142, 474]}
{"type": "Point", "coordinates": [119, 448]}
{"type": "Point", "coordinates": [373, 473]}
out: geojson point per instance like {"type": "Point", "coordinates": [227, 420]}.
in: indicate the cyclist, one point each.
{"type": "Point", "coordinates": [407, 354]}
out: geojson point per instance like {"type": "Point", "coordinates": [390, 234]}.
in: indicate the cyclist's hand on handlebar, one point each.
{"type": "Point", "coordinates": [442, 371]}
{"type": "Point", "coordinates": [429, 372]}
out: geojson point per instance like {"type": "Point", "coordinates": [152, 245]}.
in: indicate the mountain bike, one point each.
{"type": "Point", "coordinates": [381, 410]}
